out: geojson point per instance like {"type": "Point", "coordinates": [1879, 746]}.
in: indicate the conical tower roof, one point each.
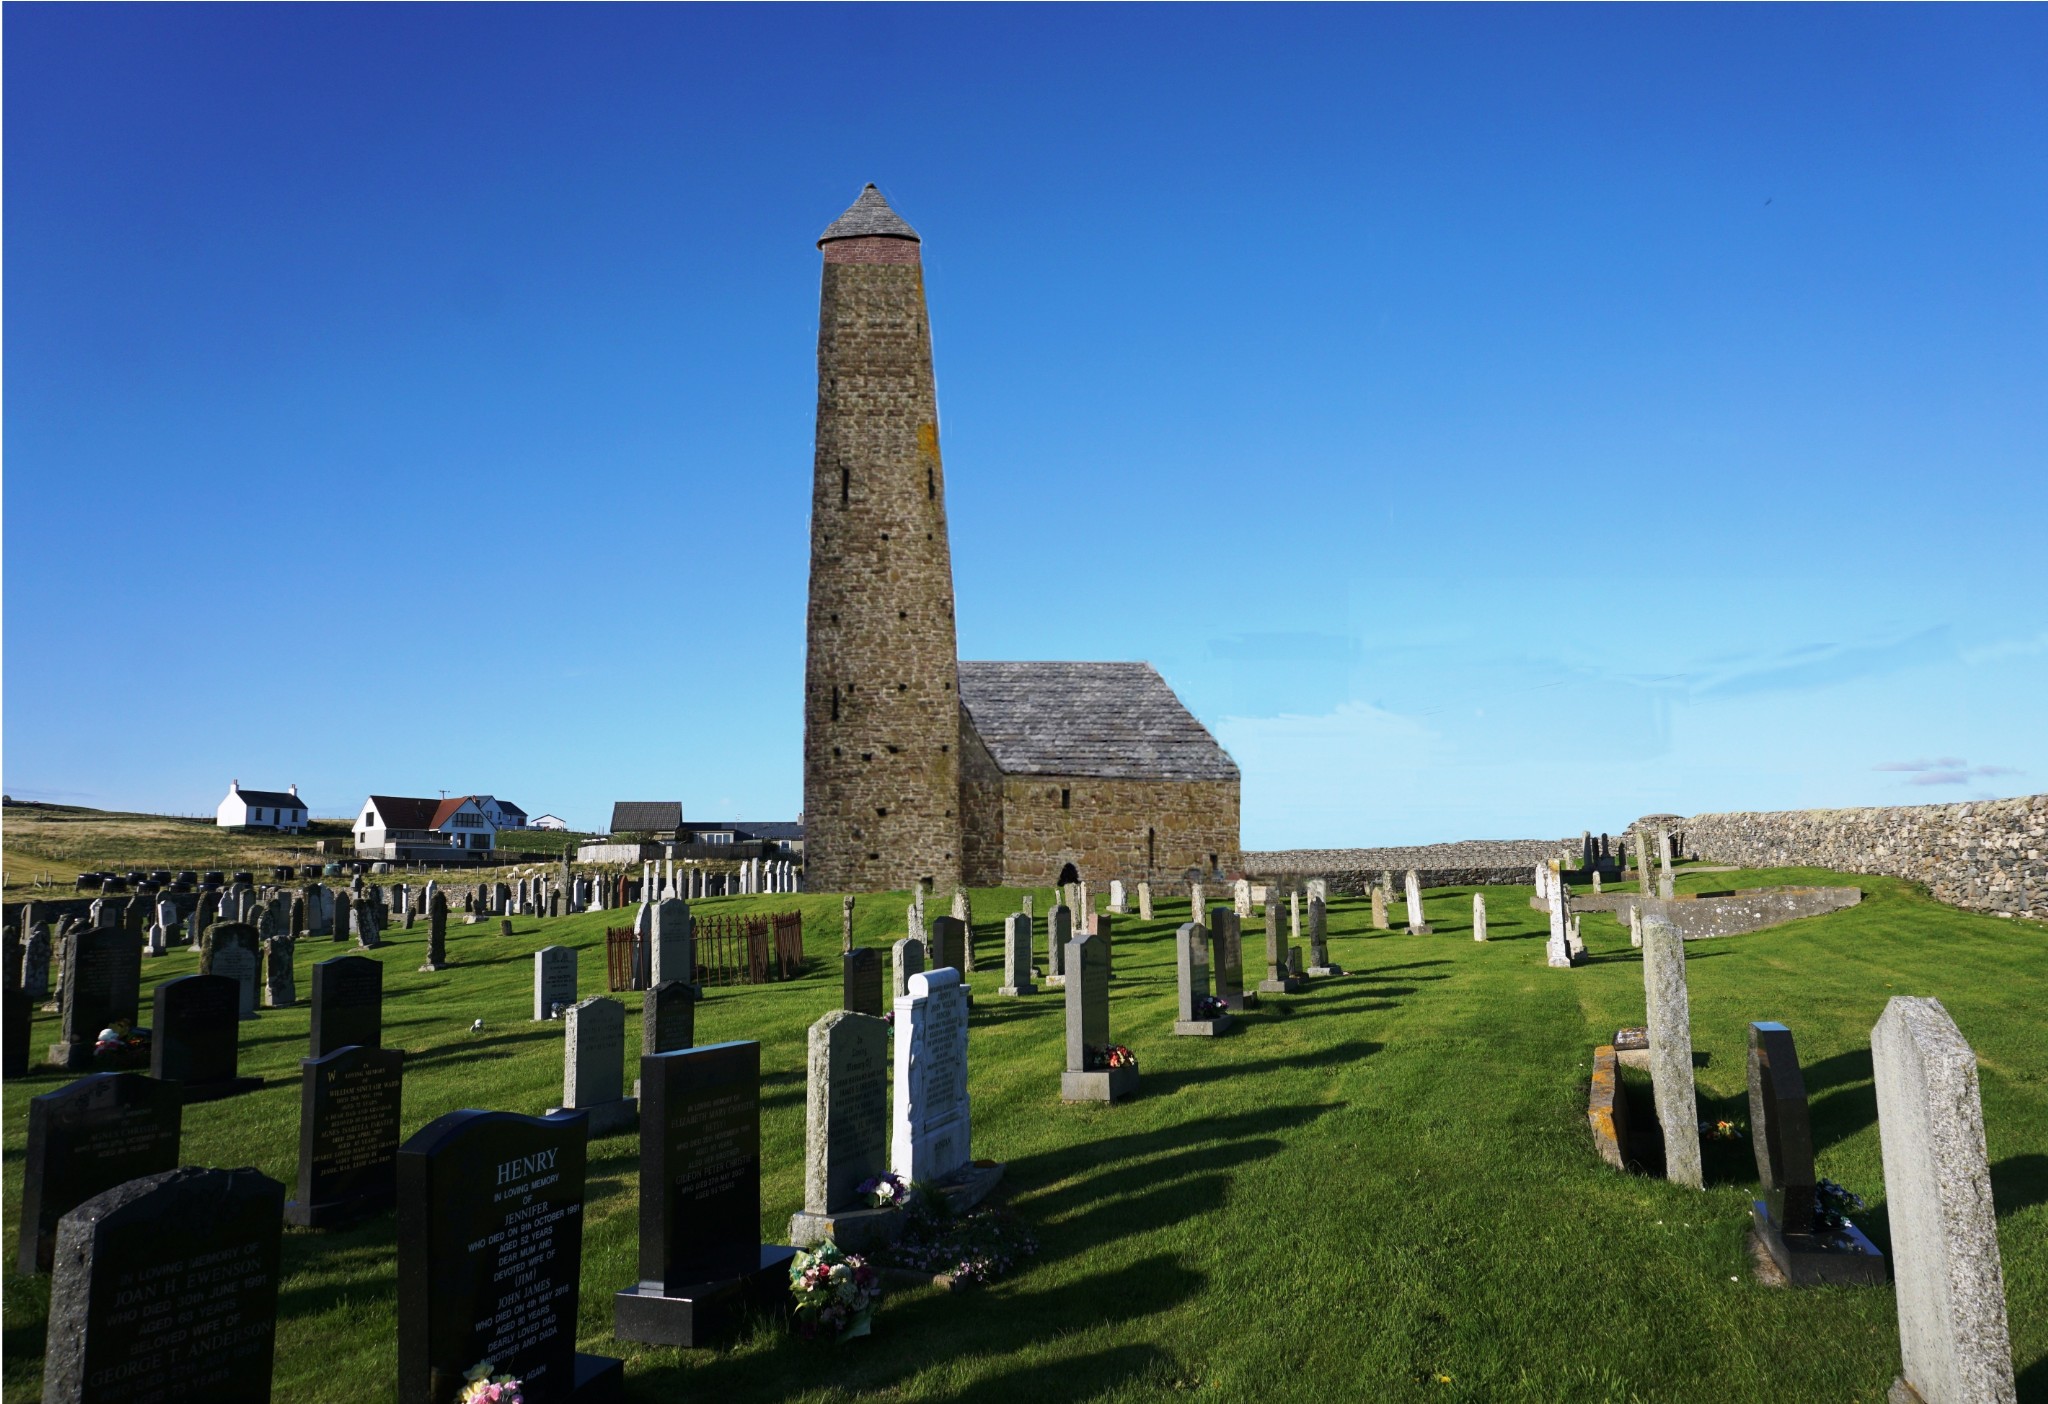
{"type": "Point", "coordinates": [869, 217]}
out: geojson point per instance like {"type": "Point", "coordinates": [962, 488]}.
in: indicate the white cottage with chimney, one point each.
{"type": "Point", "coordinates": [281, 810]}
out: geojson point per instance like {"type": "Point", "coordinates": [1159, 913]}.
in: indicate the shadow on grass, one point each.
{"type": "Point", "coordinates": [2019, 1182]}
{"type": "Point", "coordinates": [1172, 1080]}
{"type": "Point", "coordinates": [902, 1347]}
{"type": "Point", "coordinates": [1379, 970]}
{"type": "Point", "coordinates": [1017, 1009]}
{"type": "Point", "coordinates": [479, 1044]}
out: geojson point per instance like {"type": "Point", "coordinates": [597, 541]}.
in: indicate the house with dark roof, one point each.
{"type": "Point", "coordinates": [281, 810]}
{"type": "Point", "coordinates": [647, 818]}
{"type": "Point", "coordinates": [1095, 770]}
{"type": "Point", "coordinates": [503, 814]}
{"type": "Point", "coordinates": [403, 828]}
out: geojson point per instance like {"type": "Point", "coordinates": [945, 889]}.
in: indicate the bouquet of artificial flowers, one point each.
{"type": "Point", "coordinates": [885, 1191]}
{"type": "Point", "coordinates": [482, 1387]}
{"type": "Point", "coordinates": [1113, 1056]}
{"type": "Point", "coordinates": [1210, 1007]}
{"type": "Point", "coordinates": [836, 1293]}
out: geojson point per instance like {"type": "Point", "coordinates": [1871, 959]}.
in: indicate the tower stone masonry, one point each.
{"type": "Point", "coordinates": [881, 689]}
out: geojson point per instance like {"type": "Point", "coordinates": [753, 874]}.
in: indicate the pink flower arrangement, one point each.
{"type": "Point", "coordinates": [482, 1387]}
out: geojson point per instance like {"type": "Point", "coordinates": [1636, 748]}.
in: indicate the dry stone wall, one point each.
{"type": "Point", "coordinates": [1988, 856]}
{"type": "Point", "coordinates": [1475, 862]}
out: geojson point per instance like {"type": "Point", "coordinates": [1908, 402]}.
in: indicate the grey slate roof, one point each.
{"type": "Point", "coordinates": [646, 816]}
{"type": "Point", "coordinates": [272, 799]}
{"type": "Point", "coordinates": [869, 217]}
{"type": "Point", "coordinates": [1109, 720]}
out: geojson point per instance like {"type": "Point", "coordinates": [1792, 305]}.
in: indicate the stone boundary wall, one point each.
{"type": "Point", "coordinates": [1473, 863]}
{"type": "Point", "coordinates": [1986, 856]}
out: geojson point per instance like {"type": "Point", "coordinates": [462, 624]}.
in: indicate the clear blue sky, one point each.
{"type": "Point", "coordinates": [1494, 422]}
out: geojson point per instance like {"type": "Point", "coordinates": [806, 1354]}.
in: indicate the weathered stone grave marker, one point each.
{"type": "Point", "coordinates": [594, 1066]}
{"type": "Point", "coordinates": [1089, 1076]}
{"type": "Point", "coordinates": [668, 1018]}
{"type": "Point", "coordinates": [846, 1134]}
{"type": "Point", "coordinates": [1319, 962]}
{"type": "Point", "coordinates": [280, 989]}
{"type": "Point", "coordinates": [1226, 959]}
{"type": "Point", "coordinates": [437, 933]}
{"type": "Point", "coordinates": [1191, 972]}
{"type": "Point", "coordinates": [1059, 932]}
{"type": "Point", "coordinates": [233, 949]}
{"type": "Point", "coordinates": [554, 981]}
{"type": "Point", "coordinates": [1954, 1339]}
{"type": "Point", "coordinates": [1670, 1024]}
{"type": "Point", "coordinates": [1279, 977]}
{"type": "Point", "coordinates": [1479, 916]}
{"type": "Point", "coordinates": [1017, 972]}
{"type": "Point", "coordinates": [1418, 919]}
{"type": "Point", "coordinates": [672, 943]}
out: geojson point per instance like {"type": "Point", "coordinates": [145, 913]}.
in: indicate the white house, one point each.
{"type": "Point", "coordinates": [396, 826]}
{"type": "Point", "coordinates": [503, 814]}
{"type": "Point", "coordinates": [282, 810]}
{"type": "Point", "coordinates": [549, 821]}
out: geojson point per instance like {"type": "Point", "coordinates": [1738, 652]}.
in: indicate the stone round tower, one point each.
{"type": "Point", "coordinates": [881, 687]}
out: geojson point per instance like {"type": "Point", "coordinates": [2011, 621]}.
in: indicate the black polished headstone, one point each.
{"type": "Point", "coordinates": [860, 980]}
{"type": "Point", "coordinates": [89, 1137]}
{"type": "Point", "coordinates": [490, 1258]}
{"type": "Point", "coordinates": [348, 1004]}
{"type": "Point", "coordinates": [195, 1036]}
{"type": "Point", "coordinates": [668, 1018]}
{"type": "Point", "coordinates": [102, 985]}
{"type": "Point", "coordinates": [165, 1289]}
{"type": "Point", "coordinates": [1781, 1131]}
{"type": "Point", "coordinates": [349, 1105]}
{"type": "Point", "coordinates": [703, 1267]}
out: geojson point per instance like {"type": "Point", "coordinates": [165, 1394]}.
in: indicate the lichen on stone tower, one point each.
{"type": "Point", "coordinates": [881, 694]}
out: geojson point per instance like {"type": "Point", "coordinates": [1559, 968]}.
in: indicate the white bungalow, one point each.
{"type": "Point", "coordinates": [281, 810]}
{"type": "Point", "coordinates": [503, 814]}
{"type": "Point", "coordinates": [400, 827]}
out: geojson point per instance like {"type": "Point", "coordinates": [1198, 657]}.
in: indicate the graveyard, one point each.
{"type": "Point", "coordinates": [1380, 1183]}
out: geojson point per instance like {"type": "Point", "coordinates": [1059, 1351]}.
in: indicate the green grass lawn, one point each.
{"type": "Point", "coordinates": [1382, 1188]}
